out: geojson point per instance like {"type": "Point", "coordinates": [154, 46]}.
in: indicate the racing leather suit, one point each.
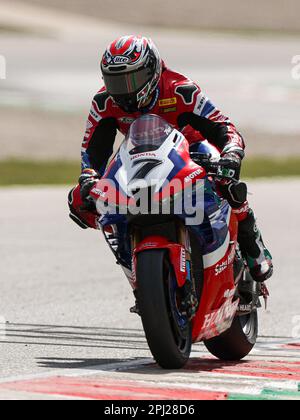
{"type": "Point", "coordinates": [180, 102]}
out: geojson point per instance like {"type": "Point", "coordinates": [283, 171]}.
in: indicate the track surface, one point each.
{"type": "Point", "coordinates": [70, 333]}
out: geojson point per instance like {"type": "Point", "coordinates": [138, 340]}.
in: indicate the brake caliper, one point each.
{"type": "Point", "coordinates": [189, 304]}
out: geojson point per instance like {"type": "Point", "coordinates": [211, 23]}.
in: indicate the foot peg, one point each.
{"type": "Point", "coordinates": [135, 310]}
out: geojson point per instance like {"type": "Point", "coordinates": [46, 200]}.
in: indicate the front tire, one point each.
{"type": "Point", "coordinates": [168, 332]}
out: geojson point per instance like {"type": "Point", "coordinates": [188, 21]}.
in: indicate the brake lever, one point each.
{"type": "Point", "coordinates": [217, 177]}
{"type": "Point", "coordinates": [212, 168]}
{"type": "Point", "coordinates": [222, 175]}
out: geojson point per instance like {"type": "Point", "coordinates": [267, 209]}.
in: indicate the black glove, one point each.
{"type": "Point", "coordinates": [87, 181]}
{"type": "Point", "coordinates": [230, 166]}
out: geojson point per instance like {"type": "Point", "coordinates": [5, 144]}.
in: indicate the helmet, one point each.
{"type": "Point", "coordinates": [131, 68]}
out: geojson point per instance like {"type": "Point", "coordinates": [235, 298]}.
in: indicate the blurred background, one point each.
{"type": "Point", "coordinates": [239, 52]}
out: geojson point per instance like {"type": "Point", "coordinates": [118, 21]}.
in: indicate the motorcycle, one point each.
{"type": "Point", "coordinates": [189, 278]}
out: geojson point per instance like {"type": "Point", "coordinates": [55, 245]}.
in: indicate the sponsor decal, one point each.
{"type": "Point", "coordinates": [120, 59]}
{"type": "Point", "coordinates": [221, 118]}
{"type": "Point", "coordinates": [156, 132]}
{"type": "Point", "coordinates": [224, 314]}
{"type": "Point", "coordinates": [182, 260]}
{"type": "Point", "coordinates": [126, 120]}
{"type": "Point", "coordinates": [220, 268]}
{"type": "Point", "coordinates": [149, 245]}
{"type": "Point", "coordinates": [225, 264]}
{"type": "Point", "coordinates": [243, 209]}
{"type": "Point", "coordinates": [245, 308]}
{"type": "Point", "coordinates": [201, 104]}
{"type": "Point", "coordinates": [94, 115]}
{"type": "Point", "coordinates": [167, 102]}
{"type": "Point", "coordinates": [168, 110]}
{"type": "Point", "coordinates": [143, 155]}
{"type": "Point", "coordinates": [193, 175]}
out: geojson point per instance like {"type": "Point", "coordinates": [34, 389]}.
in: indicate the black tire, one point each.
{"type": "Point", "coordinates": [236, 343]}
{"type": "Point", "coordinates": [170, 345]}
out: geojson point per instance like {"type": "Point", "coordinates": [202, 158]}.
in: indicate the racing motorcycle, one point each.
{"type": "Point", "coordinates": [189, 278]}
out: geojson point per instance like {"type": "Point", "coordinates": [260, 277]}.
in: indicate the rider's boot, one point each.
{"type": "Point", "coordinates": [253, 248]}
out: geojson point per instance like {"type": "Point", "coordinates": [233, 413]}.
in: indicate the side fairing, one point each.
{"type": "Point", "coordinates": [213, 232]}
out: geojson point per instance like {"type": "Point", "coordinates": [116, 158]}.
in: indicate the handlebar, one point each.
{"type": "Point", "coordinates": [212, 167]}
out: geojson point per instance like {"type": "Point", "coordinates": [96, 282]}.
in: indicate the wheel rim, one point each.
{"type": "Point", "coordinates": [249, 326]}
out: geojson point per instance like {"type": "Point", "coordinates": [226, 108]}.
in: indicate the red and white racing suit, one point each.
{"type": "Point", "coordinates": [180, 102]}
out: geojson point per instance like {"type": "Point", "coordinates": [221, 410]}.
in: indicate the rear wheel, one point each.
{"type": "Point", "coordinates": [237, 342]}
{"type": "Point", "coordinates": [167, 329]}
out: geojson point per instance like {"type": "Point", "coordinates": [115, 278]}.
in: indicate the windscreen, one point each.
{"type": "Point", "coordinates": [147, 134]}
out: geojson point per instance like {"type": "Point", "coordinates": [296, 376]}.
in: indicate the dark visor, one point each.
{"type": "Point", "coordinates": [126, 83]}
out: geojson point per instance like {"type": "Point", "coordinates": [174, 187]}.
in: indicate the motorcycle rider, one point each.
{"type": "Point", "coordinates": [138, 82]}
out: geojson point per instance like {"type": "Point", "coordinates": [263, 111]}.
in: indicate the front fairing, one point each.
{"type": "Point", "coordinates": [156, 156]}
{"type": "Point", "coordinates": [167, 170]}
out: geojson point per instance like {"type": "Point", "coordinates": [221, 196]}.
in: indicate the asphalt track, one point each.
{"type": "Point", "coordinates": [68, 330]}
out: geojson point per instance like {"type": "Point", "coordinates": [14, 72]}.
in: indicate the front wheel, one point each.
{"type": "Point", "coordinates": [167, 329]}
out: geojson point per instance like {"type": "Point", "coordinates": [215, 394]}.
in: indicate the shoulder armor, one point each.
{"type": "Point", "coordinates": [187, 92]}
{"type": "Point", "coordinates": [101, 101]}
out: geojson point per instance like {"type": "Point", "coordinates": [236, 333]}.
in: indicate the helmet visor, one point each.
{"type": "Point", "coordinates": [127, 83]}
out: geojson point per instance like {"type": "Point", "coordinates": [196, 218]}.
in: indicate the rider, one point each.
{"type": "Point", "coordinates": [138, 82]}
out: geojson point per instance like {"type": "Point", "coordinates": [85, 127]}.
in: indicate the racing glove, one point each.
{"type": "Point", "coordinates": [87, 181]}
{"type": "Point", "coordinates": [230, 166]}
{"type": "Point", "coordinates": [234, 191]}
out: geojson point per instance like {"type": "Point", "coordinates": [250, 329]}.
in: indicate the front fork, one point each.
{"type": "Point", "coordinates": [190, 302]}
{"type": "Point", "coordinates": [179, 251]}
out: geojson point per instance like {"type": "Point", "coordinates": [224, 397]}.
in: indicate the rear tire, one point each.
{"type": "Point", "coordinates": [238, 341]}
{"type": "Point", "coordinates": [169, 335]}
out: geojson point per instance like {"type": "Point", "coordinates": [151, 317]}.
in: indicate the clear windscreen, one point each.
{"type": "Point", "coordinates": [147, 134]}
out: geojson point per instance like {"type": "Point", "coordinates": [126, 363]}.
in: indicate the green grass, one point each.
{"type": "Point", "coordinates": [271, 167]}
{"type": "Point", "coordinates": [19, 172]}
